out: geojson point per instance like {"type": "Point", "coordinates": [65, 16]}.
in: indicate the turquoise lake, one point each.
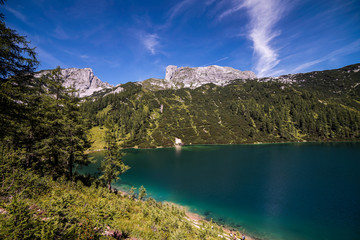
{"type": "Point", "coordinates": [270, 191]}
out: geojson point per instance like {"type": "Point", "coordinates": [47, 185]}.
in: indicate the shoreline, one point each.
{"type": "Point", "coordinates": [196, 220]}
{"type": "Point", "coordinates": [92, 151]}
{"type": "Point", "coordinates": [227, 144]}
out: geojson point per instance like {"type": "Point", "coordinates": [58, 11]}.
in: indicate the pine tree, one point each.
{"type": "Point", "coordinates": [17, 65]}
{"type": "Point", "coordinates": [112, 165]}
{"type": "Point", "coordinates": [64, 137]}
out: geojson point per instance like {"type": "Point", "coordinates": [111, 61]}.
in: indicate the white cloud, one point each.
{"type": "Point", "coordinates": [151, 42]}
{"type": "Point", "coordinates": [348, 49]}
{"type": "Point", "coordinates": [17, 14]}
{"type": "Point", "coordinates": [264, 15]}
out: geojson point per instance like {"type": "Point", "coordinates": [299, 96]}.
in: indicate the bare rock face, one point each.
{"type": "Point", "coordinates": [170, 70]}
{"type": "Point", "coordinates": [82, 80]}
{"type": "Point", "coordinates": [186, 77]}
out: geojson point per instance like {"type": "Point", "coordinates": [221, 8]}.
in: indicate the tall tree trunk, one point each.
{"type": "Point", "coordinates": [56, 159]}
{"type": "Point", "coordinates": [70, 164]}
{"type": "Point", "coordinates": [109, 185]}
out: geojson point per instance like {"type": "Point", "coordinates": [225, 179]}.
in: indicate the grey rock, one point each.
{"type": "Point", "coordinates": [82, 80]}
{"type": "Point", "coordinates": [186, 77]}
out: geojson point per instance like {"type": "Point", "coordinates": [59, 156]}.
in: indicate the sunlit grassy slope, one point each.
{"type": "Point", "coordinates": [40, 208]}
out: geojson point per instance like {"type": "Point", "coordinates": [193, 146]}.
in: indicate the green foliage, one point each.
{"type": "Point", "coordinates": [142, 193]}
{"type": "Point", "coordinates": [19, 224]}
{"type": "Point", "coordinates": [41, 128]}
{"type": "Point", "coordinates": [47, 131]}
{"type": "Point", "coordinates": [112, 166]}
{"type": "Point", "coordinates": [16, 59]}
{"type": "Point", "coordinates": [132, 192]}
{"type": "Point", "coordinates": [68, 210]}
{"type": "Point", "coordinates": [97, 138]}
{"type": "Point", "coordinates": [320, 106]}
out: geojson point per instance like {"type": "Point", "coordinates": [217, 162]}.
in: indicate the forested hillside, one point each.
{"type": "Point", "coordinates": [319, 106]}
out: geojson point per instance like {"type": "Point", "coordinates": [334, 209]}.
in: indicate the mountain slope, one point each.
{"type": "Point", "coordinates": [315, 107]}
{"type": "Point", "coordinates": [336, 82]}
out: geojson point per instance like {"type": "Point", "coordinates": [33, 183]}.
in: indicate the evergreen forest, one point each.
{"type": "Point", "coordinates": [317, 106]}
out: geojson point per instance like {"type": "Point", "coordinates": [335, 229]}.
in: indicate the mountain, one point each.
{"type": "Point", "coordinates": [82, 80]}
{"type": "Point", "coordinates": [315, 106]}
{"type": "Point", "coordinates": [221, 105]}
{"type": "Point", "coordinates": [186, 77]}
{"type": "Point", "coordinates": [87, 84]}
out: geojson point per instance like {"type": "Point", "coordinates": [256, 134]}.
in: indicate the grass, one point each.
{"type": "Point", "coordinates": [71, 210]}
{"type": "Point", "coordinates": [97, 137]}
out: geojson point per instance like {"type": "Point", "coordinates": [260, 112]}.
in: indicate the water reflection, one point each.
{"type": "Point", "coordinates": [177, 150]}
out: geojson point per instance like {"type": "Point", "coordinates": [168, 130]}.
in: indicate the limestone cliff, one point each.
{"type": "Point", "coordinates": [82, 80]}
{"type": "Point", "coordinates": [186, 77]}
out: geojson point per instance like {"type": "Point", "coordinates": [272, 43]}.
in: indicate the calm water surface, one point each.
{"type": "Point", "coordinates": [272, 191]}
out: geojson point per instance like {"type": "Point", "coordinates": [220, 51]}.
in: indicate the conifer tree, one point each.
{"type": "Point", "coordinates": [17, 64]}
{"type": "Point", "coordinates": [112, 165]}
{"type": "Point", "coordinates": [64, 131]}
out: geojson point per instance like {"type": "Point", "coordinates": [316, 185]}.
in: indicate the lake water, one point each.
{"type": "Point", "coordinates": [270, 191]}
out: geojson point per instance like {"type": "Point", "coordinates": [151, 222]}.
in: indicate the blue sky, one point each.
{"type": "Point", "coordinates": [132, 40]}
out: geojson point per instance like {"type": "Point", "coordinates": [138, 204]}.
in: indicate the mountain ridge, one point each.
{"type": "Point", "coordinates": [87, 84]}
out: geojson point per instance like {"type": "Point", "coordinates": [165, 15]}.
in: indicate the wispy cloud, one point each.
{"type": "Point", "coordinates": [151, 42]}
{"type": "Point", "coordinates": [209, 2]}
{"type": "Point", "coordinates": [264, 15]}
{"type": "Point", "coordinates": [216, 61]}
{"type": "Point", "coordinates": [348, 49]}
{"type": "Point", "coordinates": [231, 11]}
{"type": "Point", "coordinates": [84, 56]}
{"type": "Point", "coordinates": [48, 59]}
{"type": "Point", "coordinates": [60, 33]}
{"type": "Point", "coordinates": [90, 60]}
{"type": "Point", "coordinates": [178, 8]}
{"type": "Point", "coordinates": [175, 11]}
{"type": "Point", "coordinates": [17, 14]}
{"type": "Point", "coordinates": [95, 30]}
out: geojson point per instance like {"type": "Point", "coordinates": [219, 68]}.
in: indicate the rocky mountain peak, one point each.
{"type": "Point", "coordinates": [82, 80]}
{"type": "Point", "coordinates": [170, 70]}
{"type": "Point", "coordinates": [195, 77]}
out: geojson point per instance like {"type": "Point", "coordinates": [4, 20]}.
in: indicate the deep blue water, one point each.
{"type": "Point", "coordinates": [271, 191]}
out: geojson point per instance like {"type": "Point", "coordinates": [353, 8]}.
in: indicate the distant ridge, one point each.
{"type": "Point", "coordinates": [187, 77]}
